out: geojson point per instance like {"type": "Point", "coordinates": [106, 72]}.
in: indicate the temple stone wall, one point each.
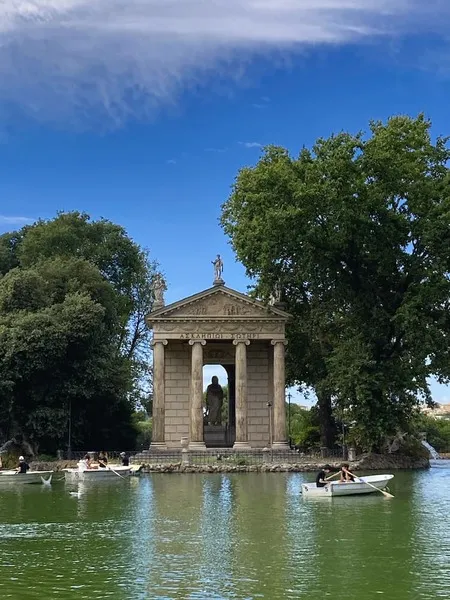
{"type": "Point", "coordinates": [177, 386]}
{"type": "Point", "coordinates": [259, 393]}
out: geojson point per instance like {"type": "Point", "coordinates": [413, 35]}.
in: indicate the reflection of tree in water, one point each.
{"type": "Point", "coordinates": [224, 405]}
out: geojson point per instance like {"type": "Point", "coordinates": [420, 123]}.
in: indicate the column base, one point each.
{"type": "Point", "coordinates": [241, 446]}
{"type": "Point", "coordinates": [280, 446]}
{"type": "Point", "coordinates": [197, 446]}
{"type": "Point", "coordinates": [158, 446]}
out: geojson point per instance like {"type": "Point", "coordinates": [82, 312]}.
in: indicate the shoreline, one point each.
{"type": "Point", "coordinates": [369, 462]}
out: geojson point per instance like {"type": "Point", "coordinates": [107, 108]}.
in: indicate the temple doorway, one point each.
{"type": "Point", "coordinates": [219, 408]}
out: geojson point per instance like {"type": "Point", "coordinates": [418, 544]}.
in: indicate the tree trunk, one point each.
{"type": "Point", "coordinates": [327, 428]}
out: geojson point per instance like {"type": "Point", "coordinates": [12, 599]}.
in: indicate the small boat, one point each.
{"type": "Point", "coordinates": [30, 477]}
{"type": "Point", "coordinates": [359, 486]}
{"type": "Point", "coordinates": [97, 474]}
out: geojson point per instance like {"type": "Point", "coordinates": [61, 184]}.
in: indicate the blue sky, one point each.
{"type": "Point", "coordinates": [143, 112]}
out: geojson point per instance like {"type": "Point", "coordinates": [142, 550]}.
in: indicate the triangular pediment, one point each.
{"type": "Point", "coordinates": [218, 302]}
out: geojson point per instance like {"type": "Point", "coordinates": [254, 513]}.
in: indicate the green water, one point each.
{"type": "Point", "coordinates": [243, 536]}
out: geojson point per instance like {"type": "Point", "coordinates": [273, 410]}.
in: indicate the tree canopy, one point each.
{"type": "Point", "coordinates": [73, 297]}
{"type": "Point", "coordinates": [356, 234]}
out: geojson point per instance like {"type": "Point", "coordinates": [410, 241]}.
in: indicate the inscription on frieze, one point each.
{"type": "Point", "coordinates": [218, 336]}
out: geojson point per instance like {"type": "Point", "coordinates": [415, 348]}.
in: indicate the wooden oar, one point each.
{"type": "Point", "coordinates": [386, 494]}
{"type": "Point", "coordinates": [116, 473]}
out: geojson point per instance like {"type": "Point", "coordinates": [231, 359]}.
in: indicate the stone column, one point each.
{"type": "Point", "coordinates": [279, 408]}
{"type": "Point", "coordinates": [241, 395]}
{"type": "Point", "coordinates": [196, 441]}
{"type": "Point", "coordinates": [158, 416]}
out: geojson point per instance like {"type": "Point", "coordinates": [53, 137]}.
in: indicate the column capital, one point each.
{"type": "Point", "coordinates": [236, 342]}
{"type": "Point", "coordinates": [192, 342]}
{"type": "Point", "coordinates": [154, 342]}
{"type": "Point", "coordinates": [274, 342]}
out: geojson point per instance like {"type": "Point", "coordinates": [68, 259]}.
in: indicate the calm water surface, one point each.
{"type": "Point", "coordinates": [217, 537]}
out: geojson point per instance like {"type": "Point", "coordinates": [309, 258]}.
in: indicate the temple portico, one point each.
{"type": "Point", "coordinates": [219, 326]}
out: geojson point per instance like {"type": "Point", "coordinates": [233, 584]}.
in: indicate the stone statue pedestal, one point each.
{"type": "Point", "coordinates": [219, 281]}
{"type": "Point", "coordinates": [215, 436]}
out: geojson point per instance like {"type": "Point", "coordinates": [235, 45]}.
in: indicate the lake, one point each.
{"type": "Point", "coordinates": [216, 537]}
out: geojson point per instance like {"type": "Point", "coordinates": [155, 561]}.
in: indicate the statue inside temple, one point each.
{"type": "Point", "coordinates": [214, 401]}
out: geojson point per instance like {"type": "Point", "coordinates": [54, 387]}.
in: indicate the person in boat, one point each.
{"type": "Point", "coordinates": [102, 460]}
{"type": "Point", "coordinates": [346, 477]}
{"type": "Point", "coordinates": [87, 461]}
{"type": "Point", "coordinates": [321, 478]}
{"type": "Point", "coordinates": [23, 466]}
{"type": "Point", "coordinates": [125, 459]}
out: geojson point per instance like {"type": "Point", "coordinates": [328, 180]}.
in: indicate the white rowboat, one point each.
{"type": "Point", "coordinates": [119, 472]}
{"type": "Point", "coordinates": [336, 488]}
{"type": "Point", "coordinates": [29, 477]}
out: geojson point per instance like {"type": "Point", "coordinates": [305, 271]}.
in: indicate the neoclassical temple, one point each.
{"type": "Point", "coordinates": [218, 326]}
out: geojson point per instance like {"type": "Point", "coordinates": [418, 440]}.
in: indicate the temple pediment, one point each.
{"type": "Point", "coordinates": [219, 303]}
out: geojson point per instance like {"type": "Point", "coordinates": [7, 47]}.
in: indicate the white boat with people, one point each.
{"type": "Point", "coordinates": [16, 478]}
{"type": "Point", "coordinates": [369, 484]}
{"type": "Point", "coordinates": [97, 474]}
{"type": "Point", "coordinates": [87, 470]}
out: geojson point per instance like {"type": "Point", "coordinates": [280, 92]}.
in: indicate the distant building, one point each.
{"type": "Point", "coordinates": [441, 411]}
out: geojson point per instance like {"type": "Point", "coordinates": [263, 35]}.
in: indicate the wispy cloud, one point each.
{"type": "Point", "coordinates": [83, 61]}
{"type": "Point", "coordinates": [11, 220]}
{"type": "Point", "coordinates": [171, 161]}
{"type": "Point", "coordinates": [263, 102]}
{"type": "Point", "coordinates": [250, 144]}
{"type": "Point", "coordinates": [216, 150]}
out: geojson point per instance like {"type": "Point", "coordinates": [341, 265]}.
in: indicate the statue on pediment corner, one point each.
{"type": "Point", "coordinates": [218, 270]}
{"type": "Point", "coordinates": [159, 287]}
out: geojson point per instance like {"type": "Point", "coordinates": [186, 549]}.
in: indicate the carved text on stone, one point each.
{"type": "Point", "coordinates": [218, 336]}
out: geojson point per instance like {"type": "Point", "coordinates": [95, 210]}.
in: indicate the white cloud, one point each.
{"type": "Point", "coordinates": [263, 103]}
{"type": "Point", "coordinates": [216, 150]}
{"type": "Point", "coordinates": [11, 220]}
{"type": "Point", "coordinates": [171, 161]}
{"type": "Point", "coordinates": [251, 144]}
{"type": "Point", "coordinates": [73, 61]}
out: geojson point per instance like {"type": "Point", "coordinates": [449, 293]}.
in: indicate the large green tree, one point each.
{"type": "Point", "coordinates": [73, 297]}
{"type": "Point", "coordinates": [356, 234]}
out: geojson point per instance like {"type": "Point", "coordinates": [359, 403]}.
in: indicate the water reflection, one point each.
{"type": "Point", "coordinates": [431, 506]}
{"type": "Point", "coordinates": [216, 529]}
{"type": "Point", "coordinates": [224, 537]}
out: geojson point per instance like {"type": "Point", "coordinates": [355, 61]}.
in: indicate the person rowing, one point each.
{"type": "Point", "coordinates": [102, 460]}
{"type": "Point", "coordinates": [346, 476]}
{"type": "Point", "coordinates": [125, 459]}
{"type": "Point", "coordinates": [23, 466]}
{"type": "Point", "coordinates": [321, 480]}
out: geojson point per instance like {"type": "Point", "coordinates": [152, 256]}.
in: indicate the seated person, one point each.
{"type": "Point", "coordinates": [102, 460]}
{"type": "Point", "coordinates": [346, 477]}
{"type": "Point", "coordinates": [321, 476]}
{"type": "Point", "coordinates": [23, 466]}
{"type": "Point", "coordinates": [87, 462]}
{"type": "Point", "coordinates": [125, 459]}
